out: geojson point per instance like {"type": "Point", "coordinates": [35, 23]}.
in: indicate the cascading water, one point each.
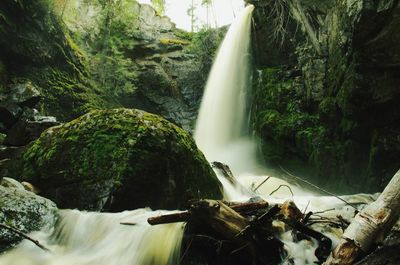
{"type": "Point", "coordinates": [83, 238]}
{"type": "Point", "coordinates": [222, 126]}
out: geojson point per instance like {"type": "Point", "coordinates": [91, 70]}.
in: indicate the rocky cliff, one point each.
{"type": "Point", "coordinates": [326, 90]}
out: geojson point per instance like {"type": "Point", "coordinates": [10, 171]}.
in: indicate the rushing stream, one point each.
{"type": "Point", "coordinates": [84, 238]}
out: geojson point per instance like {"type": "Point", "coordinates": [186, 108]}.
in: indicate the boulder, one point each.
{"type": "Point", "coordinates": [23, 132]}
{"type": "Point", "coordinates": [24, 94]}
{"type": "Point", "coordinates": [9, 114]}
{"type": "Point", "coordinates": [9, 151]}
{"type": "Point", "coordinates": [117, 160]}
{"type": "Point", "coordinates": [11, 183]}
{"type": "Point", "coordinates": [24, 211]}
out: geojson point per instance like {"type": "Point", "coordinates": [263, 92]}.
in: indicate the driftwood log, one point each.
{"type": "Point", "coordinates": [184, 216]}
{"type": "Point", "coordinates": [371, 223]}
{"type": "Point", "coordinates": [249, 226]}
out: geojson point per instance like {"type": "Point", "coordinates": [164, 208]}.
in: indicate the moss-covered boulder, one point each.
{"type": "Point", "coordinates": [119, 159]}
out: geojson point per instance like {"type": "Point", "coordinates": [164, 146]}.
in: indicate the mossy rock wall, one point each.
{"type": "Point", "coordinates": [119, 159]}
{"type": "Point", "coordinates": [35, 45]}
{"type": "Point", "coordinates": [331, 115]}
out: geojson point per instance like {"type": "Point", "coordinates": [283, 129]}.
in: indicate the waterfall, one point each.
{"type": "Point", "coordinates": [85, 238]}
{"type": "Point", "coordinates": [221, 130]}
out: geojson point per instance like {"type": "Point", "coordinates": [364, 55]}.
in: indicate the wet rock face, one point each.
{"type": "Point", "coordinates": [24, 94]}
{"type": "Point", "coordinates": [326, 98]}
{"type": "Point", "coordinates": [24, 211]}
{"type": "Point", "coordinates": [23, 132]}
{"type": "Point", "coordinates": [117, 160]}
{"type": "Point", "coordinates": [18, 96]}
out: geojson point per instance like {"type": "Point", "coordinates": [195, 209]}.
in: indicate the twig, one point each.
{"type": "Point", "coordinates": [186, 250]}
{"type": "Point", "coordinates": [332, 209]}
{"type": "Point", "coordinates": [280, 186]}
{"type": "Point", "coordinates": [305, 209]}
{"type": "Point", "coordinates": [127, 223]}
{"type": "Point", "coordinates": [318, 188]}
{"type": "Point", "coordinates": [332, 223]}
{"type": "Point", "coordinates": [306, 218]}
{"type": "Point", "coordinates": [239, 249]}
{"type": "Point", "coordinates": [16, 231]}
{"type": "Point", "coordinates": [259, 185]}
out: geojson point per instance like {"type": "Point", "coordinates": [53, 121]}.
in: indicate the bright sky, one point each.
{"type": "Point", "coordinates": [222, 12]}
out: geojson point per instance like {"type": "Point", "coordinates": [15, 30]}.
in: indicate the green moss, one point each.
{"type": "Point", "coordinates": [121, 148]}
{"type": "Point", "coordinates": [293, 133]}
{"type": "Point", "coordinates": [166, 41]}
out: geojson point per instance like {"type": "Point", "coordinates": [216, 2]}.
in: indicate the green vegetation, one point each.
{"type": "Point", "coordinates": [159, 6]}
{"type": "Point", "coordinates": [106, 43]}
{"type": "Point", "coordinates": [294, 135]}
{"type": "Point", "coordinates": [46, 54]}
{"type": "Point", "coordinates": [204, 45]}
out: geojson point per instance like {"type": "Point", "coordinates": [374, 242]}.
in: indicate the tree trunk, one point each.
{"type": "Point", "coordinates": [369, 225]}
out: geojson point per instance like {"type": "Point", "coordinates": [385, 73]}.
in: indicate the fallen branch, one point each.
{"type": "Point", "coordinates": [316, 187]}
{"type": "Point", "coordinates": [280, 186]}
{"type": "Point", "coordinates": [293, 217]}
{"type": "Point", "coordinates": [259, 185]}
{"type": "Point", "coordinates": [169, 218]}
{"type": "Point", "coordinates": [127, 223]}
{"type": "Point", "coordinates": [185, 215]}
{"type": "Point", "coordinates": [373, 221]}
{"type": "Point", "coordinates": [21, 234]}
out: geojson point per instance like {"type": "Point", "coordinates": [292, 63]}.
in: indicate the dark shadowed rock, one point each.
{"type": "Point", "coordinates": [9, 113]}
{"type": "Point", "coordinates": [23, 132]}
{"type": "Point", "coordinates": [386, 254]}
{"type": "Point", "coordinates": [24, 94]}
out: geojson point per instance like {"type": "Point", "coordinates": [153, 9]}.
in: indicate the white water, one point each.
{"type": "Point", "coordinates": [83, 238]}
{"type": "Point", "coordinates": [221, 130]}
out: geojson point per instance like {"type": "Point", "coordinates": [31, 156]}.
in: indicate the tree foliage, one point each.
{"type": "Point", "coordinates": [107, 42]}
{"type": "Point", "coordinates": [159, 6]}
{"type": "Point", "coordinates": [204, 45]}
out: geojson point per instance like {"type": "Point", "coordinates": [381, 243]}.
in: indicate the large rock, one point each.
{"type": "Point", "coordinates": [119, 159]}
{"type": "Point", "coordinates": [9, 114]}
{"type": "Point", "coordinates": [24, 94]}
{"type": "Point", "coordinates": [23, 132]}
{"type": "Point", "coordinates": [24, 211]}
